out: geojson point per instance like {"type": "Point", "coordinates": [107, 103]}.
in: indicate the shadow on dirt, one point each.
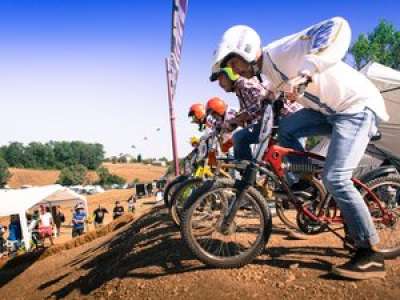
{"type": "Point", "coordinates": [150, 248]}
{"type": "Point", "coordinates": [18, 265]}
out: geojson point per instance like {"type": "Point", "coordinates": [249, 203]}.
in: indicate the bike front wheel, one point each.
{"type": "Point", "coordinates": [230, 247]}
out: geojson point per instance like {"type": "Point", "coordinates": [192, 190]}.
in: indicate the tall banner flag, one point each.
{"type": "Point", "coordinates": [179, 11]}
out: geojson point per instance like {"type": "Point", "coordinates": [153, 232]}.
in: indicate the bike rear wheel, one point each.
{"type": "Point", "coordinates": [388, 191]}
{"type": "Point", "coordinates": [244, 240]}
{"type": "Point", "coordinates": [288, 213]}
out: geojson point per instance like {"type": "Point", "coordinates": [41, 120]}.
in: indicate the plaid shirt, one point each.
{"type": "Point", "coordinates": [291, 107]}
{"type": "Point", "coordinates": [250, 93]}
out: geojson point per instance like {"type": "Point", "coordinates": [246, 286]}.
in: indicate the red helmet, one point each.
{"type": "Point", "coordinates": [198, 111]}
{"type": "Point", "coordinates": [216, 105]}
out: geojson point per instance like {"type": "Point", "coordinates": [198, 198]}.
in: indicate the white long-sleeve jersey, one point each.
{"type": "Point", "coordinates": [318, 51]}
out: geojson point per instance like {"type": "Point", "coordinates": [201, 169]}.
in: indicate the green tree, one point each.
{"type": "Point", "coordinates": [139, 158]}
{"type": "Point", "coordinates": [73, 175]}
{"type": "Point", "coordinates": [38, 155]}
{"type": "Point", "coordinates": [14, 154]}
{"type": "Point", "coordinates": [106, 178]}
{"type": "Point", "coordinates": [382, 45]}
{"type": "Point", "coordinates": [5, 174]}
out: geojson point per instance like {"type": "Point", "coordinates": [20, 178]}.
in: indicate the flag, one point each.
{"type": "Point", "coordinates": [179, 11]}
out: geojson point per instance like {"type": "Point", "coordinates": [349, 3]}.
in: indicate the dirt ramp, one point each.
{"type": "Point", "coordinates": [146, 259]}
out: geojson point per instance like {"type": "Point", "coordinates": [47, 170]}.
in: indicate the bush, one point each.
{"type": "Point", "coordinates": [106, 178]}
{"type": "Point", "coordinates": [73, 175]}
{"type": "Point", "coordinates": [5, 174]}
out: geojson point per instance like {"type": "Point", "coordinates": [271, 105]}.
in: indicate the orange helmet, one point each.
{"type": "Point", "coordinates": [216, 105]}
{"type": "Point", "coordinates": [198, 111]}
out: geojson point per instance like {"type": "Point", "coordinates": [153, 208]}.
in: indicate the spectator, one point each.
{"type": "Point", "coordinates": [14, 234]}
{"type": "Point", "coordinates": [149, 189]}
{"type": "Point", "coordinates": [118, 210]}
{"type": "Point", "coordinates": [78, 221]}
{"type": "Point", "coordinates": [98, 216]}
{"type": "Point", "coordinates": [46, 225]}
{"type": "Point", "coordinates": [159, 195]}
{"type": "Point", "coordinates": [36, 215]}
{"type": "Point", "coordinates": [59, 218]}
{"type": "Point", "coordinates": [3, 230]}
{"type": "Point", "coordinates": [132, 204]}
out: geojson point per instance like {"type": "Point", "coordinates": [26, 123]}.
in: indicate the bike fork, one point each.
{"type": "Point", "coordinates": [248, 179]}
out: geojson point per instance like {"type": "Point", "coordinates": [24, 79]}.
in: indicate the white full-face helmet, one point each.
{"type": "Point", "coordinates": [240, 40]}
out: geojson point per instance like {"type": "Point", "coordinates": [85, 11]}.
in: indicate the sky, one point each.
{"type": "Point", "coordinates": [94, 70]}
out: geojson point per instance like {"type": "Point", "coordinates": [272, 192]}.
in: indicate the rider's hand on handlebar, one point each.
{"type": "Point", "coordinates": [294, 88]}
{"type": "Point", "coordinates": [242, 117]}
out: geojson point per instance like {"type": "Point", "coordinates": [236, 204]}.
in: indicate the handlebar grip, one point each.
{"type": "Point", "coordinates": [302, 87]}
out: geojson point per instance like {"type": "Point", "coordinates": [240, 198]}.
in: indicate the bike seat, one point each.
{"type": "Point", "coordinates": [376, 137]}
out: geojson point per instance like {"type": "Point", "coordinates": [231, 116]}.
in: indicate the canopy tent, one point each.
{"type": "Point", "coordinates": [387, 80]}
{"type": "Point", "coordinates": [64, 196]}
{"type": "Point", "coordinates": [17, 202]}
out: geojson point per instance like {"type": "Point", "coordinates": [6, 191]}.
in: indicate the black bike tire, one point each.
{"type": "Point", "coordinates": [170, 188]}
{"type": "Point", "coordinates": [235, 262]}
{"type": "Point", "coordinates": [175, 216]}
{"type": "Point", "coordinates": [394, 252]}
{"type": "Point", "coordinates": [280, 211]}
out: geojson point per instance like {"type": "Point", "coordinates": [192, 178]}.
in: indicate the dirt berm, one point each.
{"type": "Point", "coordinates": [145, 259]}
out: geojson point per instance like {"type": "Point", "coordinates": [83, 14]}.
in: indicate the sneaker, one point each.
{"type": "Point", "coordinates": [365, 264]}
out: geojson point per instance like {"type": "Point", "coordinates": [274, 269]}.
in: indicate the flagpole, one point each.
{"type": "Point", "coordinates": [172, 121]}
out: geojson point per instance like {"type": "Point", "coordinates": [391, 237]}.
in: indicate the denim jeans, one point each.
{"type": "Point", "coordinates": [350, 134]}
{"type": "Point", "coordinates": [242, 140]}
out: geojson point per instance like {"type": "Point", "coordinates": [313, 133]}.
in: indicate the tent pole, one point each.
{"type": "Point", "coordinates": [25, 231]}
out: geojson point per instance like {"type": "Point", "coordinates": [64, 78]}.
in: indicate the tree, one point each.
{"type": "Point", "coordinates": [123, 159]}
{"type": "Point", "coordinates": [106, 178]}
{"type": "Point", "coordinates": [38, 155]}
{"type": "Point", "coordinates": [382, 45]}
{"type": "Point", "coordinates": [5, 174]}
{"type": "Point", "coordinates": [139, 158]}
{"type": "Point", "coordinates": [14, 154]}
{"type": "Point", "coordinates": [72, 175]}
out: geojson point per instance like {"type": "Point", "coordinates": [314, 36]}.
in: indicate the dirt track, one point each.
{"type": "Point", "coordinates": [147, 260]}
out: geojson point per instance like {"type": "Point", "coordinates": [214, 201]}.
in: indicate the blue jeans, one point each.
{"type": "Point", "coordinates": [350, 134]}
{"type": "Point", "coordinates": [242, 140]}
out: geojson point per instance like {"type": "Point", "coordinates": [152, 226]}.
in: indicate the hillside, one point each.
{"type": "Point", "coordinates": [130, 172]}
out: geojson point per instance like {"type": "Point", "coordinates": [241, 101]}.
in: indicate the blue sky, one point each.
{"type": "Point", "coordinates": [93, 70]}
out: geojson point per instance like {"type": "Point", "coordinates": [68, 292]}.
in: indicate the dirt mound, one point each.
{"type": "Point", "coordinates": [146, 259]}
{"type": "Point", "coordinates": [129, 172]}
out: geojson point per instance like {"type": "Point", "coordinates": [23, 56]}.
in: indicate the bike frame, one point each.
{"type": "Point", "coordinates": [269, 159]}
{"type": "Point", "coordinates": [275, 156]}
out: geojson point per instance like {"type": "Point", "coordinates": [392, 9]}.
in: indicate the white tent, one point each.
{"type": "Point", "coordinates": [19, 201]}
{"type": "Point", "coordinates": [387, 81]}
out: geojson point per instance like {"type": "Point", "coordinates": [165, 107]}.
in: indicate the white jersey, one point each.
{"type": "Point", "coordinates": [46, 219]}
{"type": "Point", "coordinates": [318, 51]}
